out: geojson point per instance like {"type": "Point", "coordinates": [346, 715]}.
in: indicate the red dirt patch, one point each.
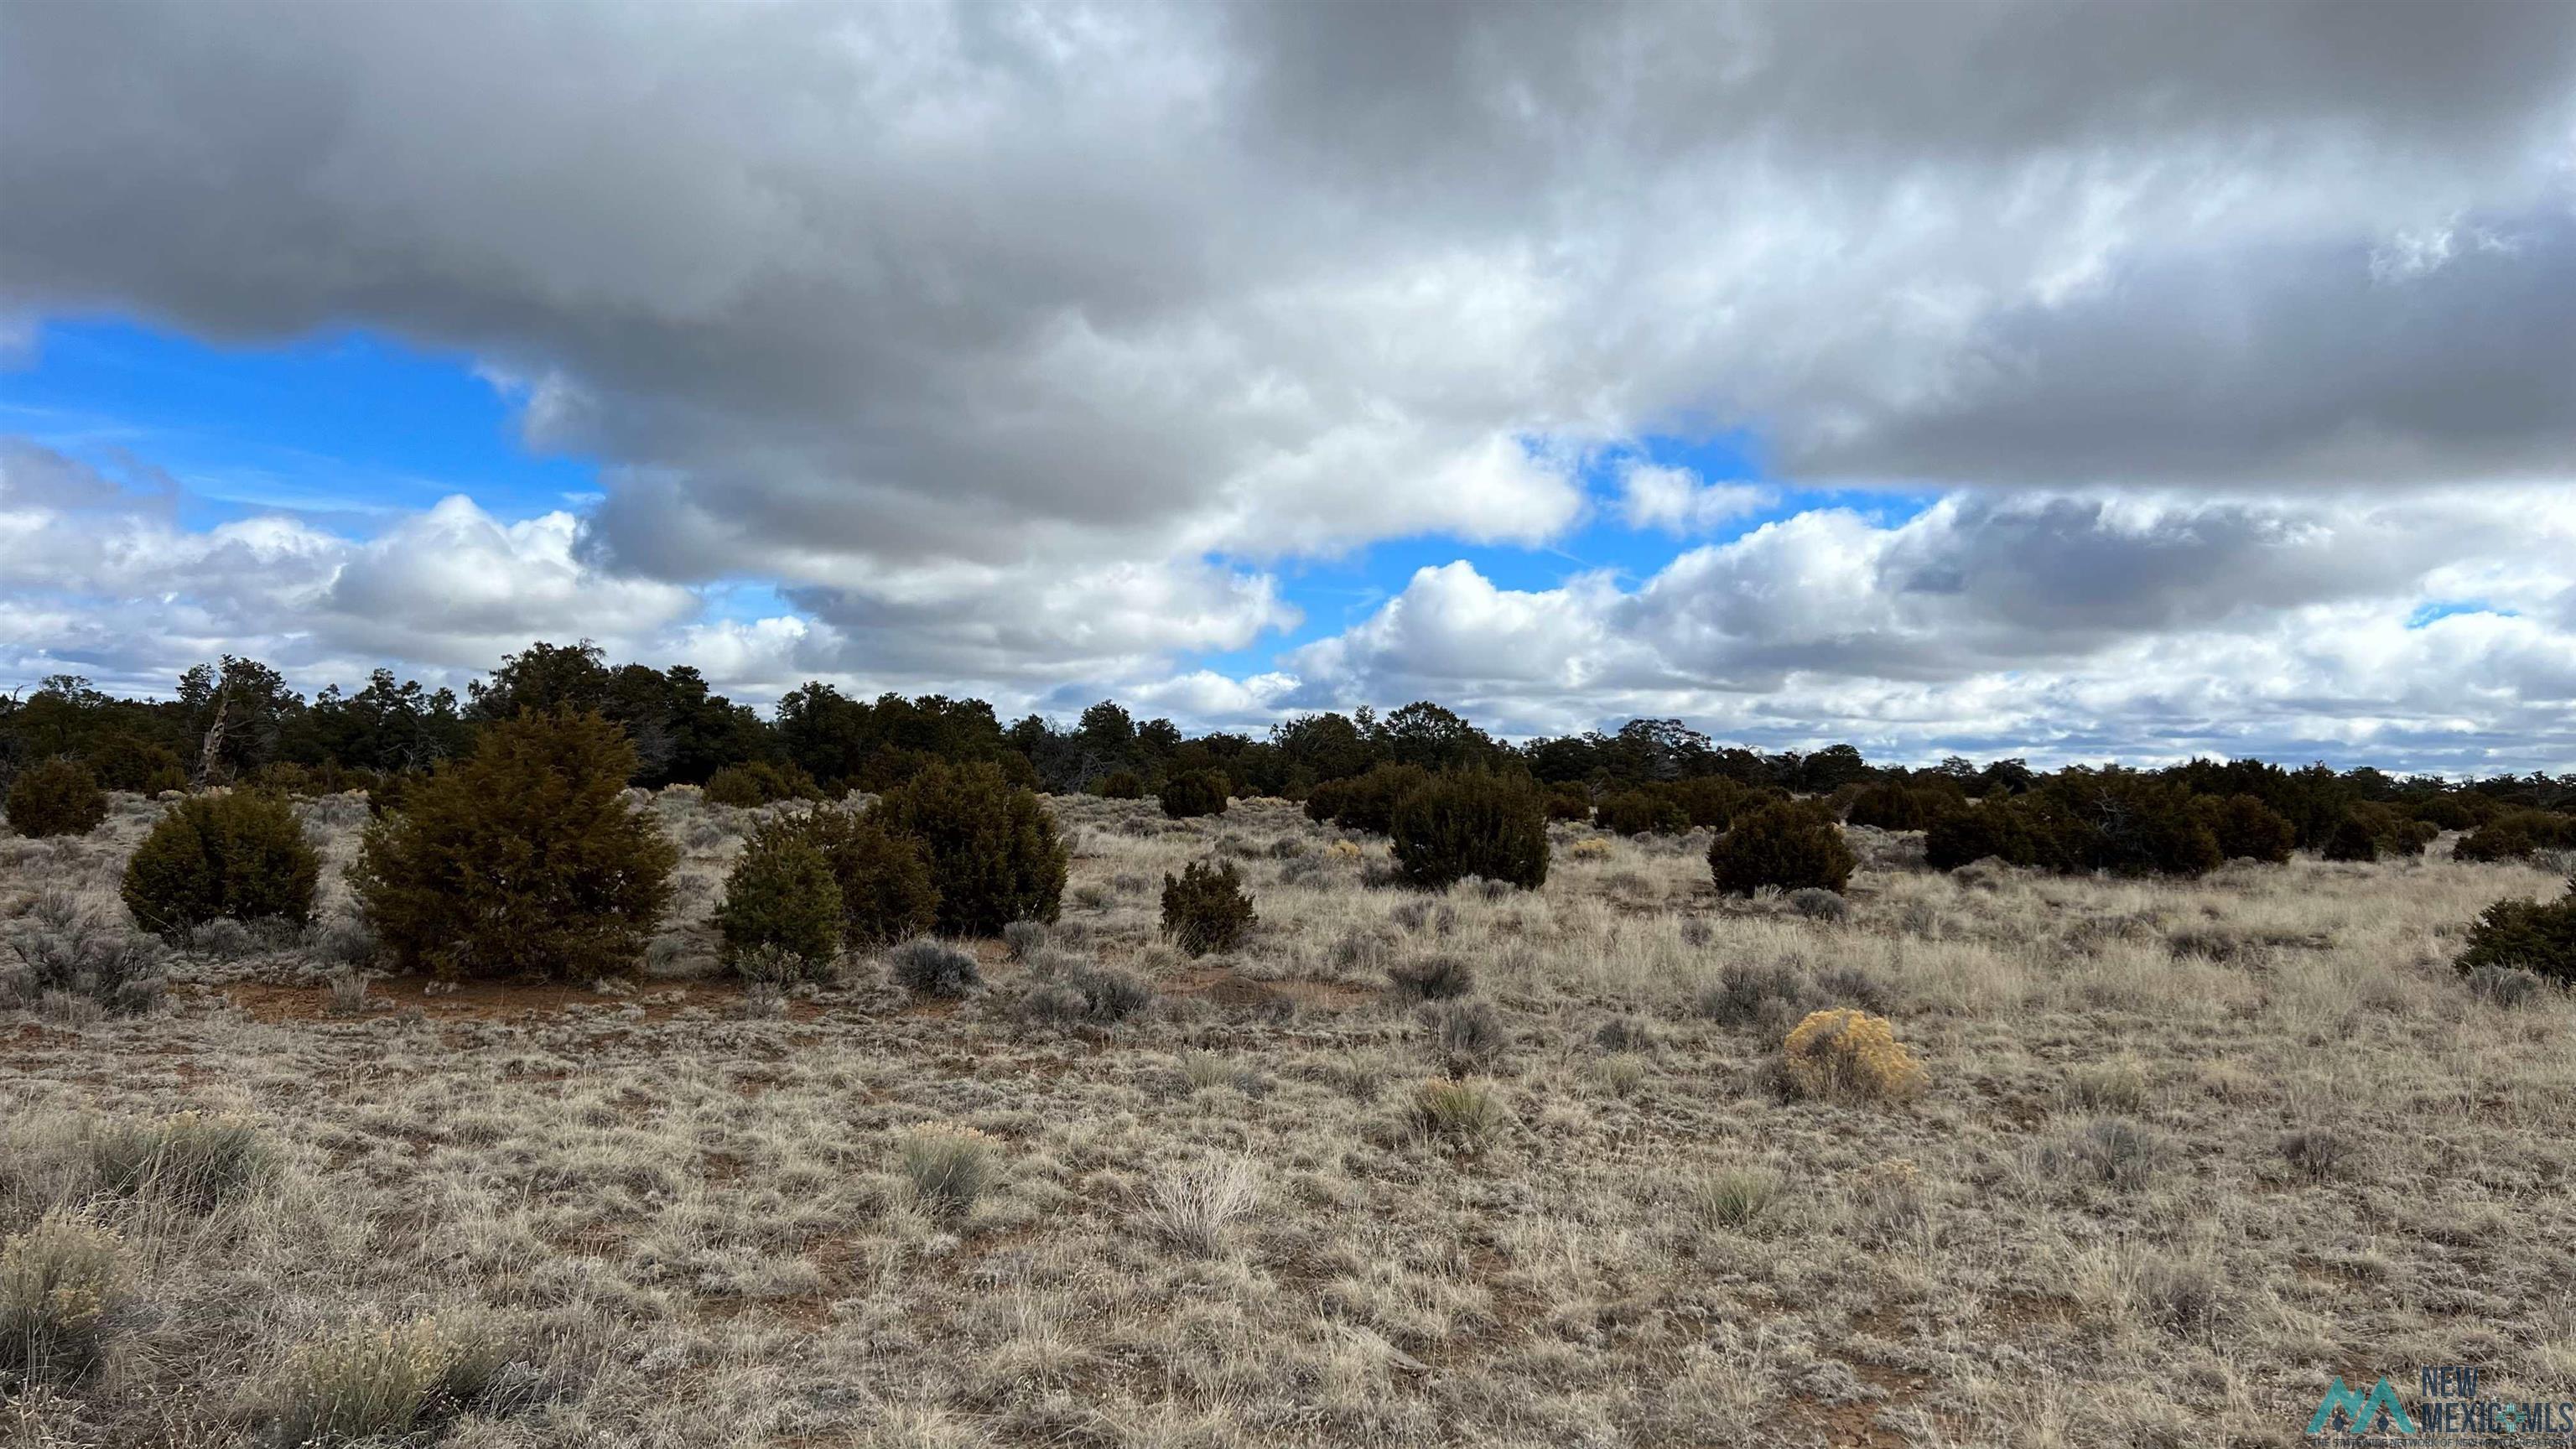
{"type": "Point", "coordinates": [2016, 1311]}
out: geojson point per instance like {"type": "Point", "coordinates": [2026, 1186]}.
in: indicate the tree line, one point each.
{"type": "Point", "coordinates": [237, 720]}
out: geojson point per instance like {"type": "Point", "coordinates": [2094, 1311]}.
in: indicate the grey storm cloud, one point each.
{"type": "Point", "coordinates": [1019, 342]}
{"type": "Point", "coordinates": [1122, 266]}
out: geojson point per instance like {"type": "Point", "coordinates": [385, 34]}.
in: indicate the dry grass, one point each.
{"type": "Point", "coordinates": [2180, 1154]}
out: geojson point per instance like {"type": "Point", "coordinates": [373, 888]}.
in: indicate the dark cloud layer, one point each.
{"type": "Point", "coordinates": [982, 329]}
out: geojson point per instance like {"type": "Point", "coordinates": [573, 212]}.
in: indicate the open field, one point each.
{"type": "Point", "coordinates": [2185, 1152]}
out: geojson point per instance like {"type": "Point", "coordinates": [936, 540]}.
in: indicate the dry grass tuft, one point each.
{"type": "Point", "coordinates": [1192, 1208]}
{"type": "Point", "coordinates": [1469, 1114]}
{"type": "Point", "coordinates": [378, 1381]}
{"type": "Point", "coordinates": [949, 1169]}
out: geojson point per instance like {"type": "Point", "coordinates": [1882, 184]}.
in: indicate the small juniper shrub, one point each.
{"type": "Point", "coordinates": [755, 783]}
{"type": "Point", "coordinates": [1195, 793]}
{"type": "Point", "coordinates": [1122, 785]}
{"type": "Point", "coordinates": [2122, 821]}
{"type": "Point", "coordinates": [1994, 830]}
{"type": "Point", "coordinates": [1788, 846]}
{"type": "Point", "coordinates": [240, 856]}
{"type": "Point", "coordinates": [2527, 936]}
{"type": "Point", "coordinates": [992, 846]}
{"type": "Point", "coordinates": [1642, 812]}
{"type": "Point", "coordinates": [524, 859]}
{"type": "Point", "coordinates": [1569, 803]}
{"type": "Point", "coordinates": [64, 1284]}
{"type": "Point", "coordinates": [2352, 842]}
{"type": "Point", "coordinates": [2453, 812]}
{"type": "Point", "coordinates": [1468, 822]}
{"type": "Point", "coordinates": [926, 967]}
{"type": "Point", "coordinates": [64, 957]}
{"type": "Point", "coordinates": [2393, 831]}
{"type": "Point", "coordinates": [1714, 800]}
{"type": "Point", "coordinates": [1890, 806]}
{"type": "Point", "coordinates": [310, 782]}
{"type": "Point", "coordinates": [782, 897]}
{"type": "Point", "coordinates": [1205, 908]}
{"type": "Point", "coordinates": [884, 878]}
{"type": "Point", "coordinates": [1844, 1055]}
{"type": "Point", "coordinates": [2516, 835]}
{"type": "Point", "coordinates": [388, 792]}
{"type": "Point", "coordinates": [2246, 828]}
{"type": "Point", "coordinates": [1365, 802]}
{"type": "Point", "coordinates": [122, 762]}
{"type": "Point", "coordinates": [1432, 978]}
{"type": "Point", "coordinates": [1467, 1036]}
{"type": "Point", "coordinates": [1468, 1114]}
{"type": "Point", "coordinates": [949, 1169]}
{"type": "Point", "coordinates": [56, 797]}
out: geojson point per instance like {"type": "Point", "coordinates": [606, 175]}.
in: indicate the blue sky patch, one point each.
{"type": "Point", "coordinates": [2445, 608]}
{"type": "Point", "coordinates": [344, 429]}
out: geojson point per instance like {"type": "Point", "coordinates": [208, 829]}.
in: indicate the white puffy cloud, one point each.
{"type": "Point", "coordinates": [1676, 501]}
{"type": "Point", "coordinates": [2058, 625]}
{"type": "Point", "coordinates": [455, 586]}
{"type": "Point", "coordinates": [100, 579]}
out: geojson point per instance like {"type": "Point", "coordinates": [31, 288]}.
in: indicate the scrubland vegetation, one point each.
{"type": "Point", "coordinates": [517, 1103]}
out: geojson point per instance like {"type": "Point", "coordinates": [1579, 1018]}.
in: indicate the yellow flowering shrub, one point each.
{"type": "Point", "coordinates": [1844, 1055]}
{"type": "Point", "coordinates": [61, 1284]}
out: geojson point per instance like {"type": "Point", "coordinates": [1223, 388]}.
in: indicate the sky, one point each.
{"type": "Point", "coordinates": [2060, 380]}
